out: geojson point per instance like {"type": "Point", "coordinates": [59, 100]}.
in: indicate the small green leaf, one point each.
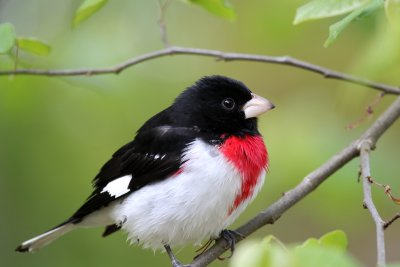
{"type": "Point", "coordinates": [7, 37]}
{"type": "Point", "coordinates": [392, 9]}
{"type": "Point", "coordinates": [338, 27]}
{"type": "Point", "coordinates": [87, 9]}
{"type": "Point", "coordinates": [33, 46]}
{"type": "Point", "coordinates": [318, 9]}
{"type": "Point", "coordinates": [220, 8]}
{"type": "Point", "coordinates": [336, 239]}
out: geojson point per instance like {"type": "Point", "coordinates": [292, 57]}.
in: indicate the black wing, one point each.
{"type": "Point", "coordinates": [152, 156]}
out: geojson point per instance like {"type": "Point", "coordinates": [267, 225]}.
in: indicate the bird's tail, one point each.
{"type": "Point", "coordinates": [46, 238]}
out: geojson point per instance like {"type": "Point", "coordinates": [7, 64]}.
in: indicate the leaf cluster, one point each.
{"type": "Point", "coordinates": [352, 9]}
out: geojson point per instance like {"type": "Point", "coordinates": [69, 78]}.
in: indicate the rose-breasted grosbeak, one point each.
{"type": "Point", "coordinates": [187, 175]}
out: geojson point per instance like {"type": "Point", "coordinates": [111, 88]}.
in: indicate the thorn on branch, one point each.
{"type": "Point", "coordinates": [274, 219]}
{"type": "Point", "coordinates": [388, 223]}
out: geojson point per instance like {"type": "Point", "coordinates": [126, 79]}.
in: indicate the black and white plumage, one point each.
{"type": "Point", "coordinates": [187, 175]}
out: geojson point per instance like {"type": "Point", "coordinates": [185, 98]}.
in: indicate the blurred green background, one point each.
{"type": "Point", "coordinates": [55, 133]}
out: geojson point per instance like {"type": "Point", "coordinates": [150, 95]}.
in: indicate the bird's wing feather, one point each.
{"type": "Point", "coordinates": [154, 155]}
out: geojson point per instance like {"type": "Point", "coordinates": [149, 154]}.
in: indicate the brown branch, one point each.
{"type": "Point", "coordinates": [224, 56]}
{"type": "Point", "coordinates": [365, 148]}
{"type": "Point", "coordinates": [308, 184]}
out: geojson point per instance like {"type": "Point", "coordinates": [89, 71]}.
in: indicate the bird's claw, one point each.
{"type": "Point", "coordinates": [230, 237]}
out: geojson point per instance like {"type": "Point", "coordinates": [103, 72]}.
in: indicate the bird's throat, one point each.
{"type": "Point", "coordinates": [249, 156]}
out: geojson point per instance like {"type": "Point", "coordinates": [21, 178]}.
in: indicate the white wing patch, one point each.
{"type": "Point", "coordinates": [118, 187]}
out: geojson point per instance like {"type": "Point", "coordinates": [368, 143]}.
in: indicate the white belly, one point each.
{"type": "Point", "coordinates": [188, 207]}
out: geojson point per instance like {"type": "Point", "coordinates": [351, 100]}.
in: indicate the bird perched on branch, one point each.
{"type": "Point", "coordinates": [187, 175]}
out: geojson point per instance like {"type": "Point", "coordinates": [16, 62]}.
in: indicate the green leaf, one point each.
{"type": "Point", "coordinates": [251, 253]}
{"type": "Point", "coordinates": [323, 257]}
{"type": "Point", "coordinates": [328, 251]}
{"type": "Point", "coordinates": [7, 37]}
{"type": "Point", "coordinates": [318, 9]}
{"type": "Point", "coordinates": [87, 9]}
{"type": "Point", "coordinates": [336, 29]}
{"type": "Point", "coordinates": [336, 239]}
{"type": "Point", "coordinates": [309, 242]}
{"type": "Point", "coordinates": [221, 8]}
{"type": "Point", "coordinates": [392, 9]}
{"type": "Point", "coordinates": [33, 46]}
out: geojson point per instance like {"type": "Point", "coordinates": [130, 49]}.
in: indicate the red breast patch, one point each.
{"type": "Point", "coordinates": [249, 155]}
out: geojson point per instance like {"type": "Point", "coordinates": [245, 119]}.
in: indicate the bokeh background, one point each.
{"type": "Point", "coordinates": [55, 133]}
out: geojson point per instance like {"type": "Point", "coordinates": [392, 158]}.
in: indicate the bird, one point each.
{"type": "Point", "coordinates": [189, 172]}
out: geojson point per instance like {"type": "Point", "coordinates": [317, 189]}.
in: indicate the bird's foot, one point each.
{"type": "Point", "coordinates": [174, 261]}
{"type": "Point", "coordinates": [230, 238]}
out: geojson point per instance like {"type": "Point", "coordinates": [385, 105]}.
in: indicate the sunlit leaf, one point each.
{"type": "Point", "coordinates": [33, 46]}
{"type": "Point", "coordinates": [323, 257]}
{"type": "Point", "coordinates": [309, 242]}
{"type": "Point", "coordinates": [336, 29]}
{"type": "Point", "coordinates": [328, 251]}
{"type": "Point", "coordinates": [251, 253]}
{"type": "Point", "coordinates": [7, 37]}
{"type": "Point", "coordinates": [392, 9]}
{"type": "Point", "coordinates": [318, 9]}
{"type": "Point", "coordinates": [336, 239]}
{"type": "Point", "coordinates": [87, 9]}
{"type": "Point", "coordinates": [221, 8]}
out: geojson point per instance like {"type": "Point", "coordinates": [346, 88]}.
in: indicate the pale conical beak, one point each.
{"type": "Point", "coordinates": [256, 106]}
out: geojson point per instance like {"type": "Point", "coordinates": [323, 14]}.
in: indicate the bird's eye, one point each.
{"type": "Point", "coordinates": [228, 103]}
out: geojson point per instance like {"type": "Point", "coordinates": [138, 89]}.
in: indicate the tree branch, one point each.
{"type": "Point", "coordinates": [308, 184]}
{"type": "Point", "coordinates": [224, 56]}
{"type": "Point", "coordinates": [365, 148]}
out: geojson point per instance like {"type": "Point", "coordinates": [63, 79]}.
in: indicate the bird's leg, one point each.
{"type": "Point", "coordinates": [230, 238]}
{"type": "Point", "coordinates": [174, 261]}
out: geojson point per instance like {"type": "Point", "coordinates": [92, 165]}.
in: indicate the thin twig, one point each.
{"type": "Point", "coordinates": [161, 21]}
{"type": "Point", "coordinates": [388, 223]}
{"type": "Point", "coordinates": [388, 190]}
{"type": "Point", "coordinates": [368, 113]}
{"type": "Point", "coordinates": [307, 185]}
{"type": "Point", "coordinates": [224, 56]}
{"type": "Point", "coordinates": [365, 148]}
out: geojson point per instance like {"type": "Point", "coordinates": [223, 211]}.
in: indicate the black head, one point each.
{"type": "Point", "coordinates": [218, 104]}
